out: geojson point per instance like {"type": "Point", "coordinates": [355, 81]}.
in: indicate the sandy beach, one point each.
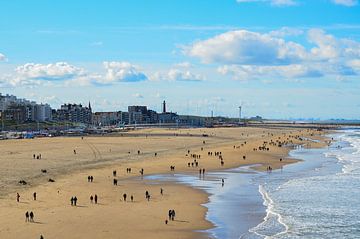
{"type": "Point", "coordinates": [69, 162]}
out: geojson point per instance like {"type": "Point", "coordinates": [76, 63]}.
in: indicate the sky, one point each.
{"type": "Point", "coordinates": [279, 59]}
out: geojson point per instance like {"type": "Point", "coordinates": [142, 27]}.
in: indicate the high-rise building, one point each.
{"type": "Point", "coordinates": [74, 113]}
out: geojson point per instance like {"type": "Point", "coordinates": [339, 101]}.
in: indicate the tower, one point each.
{"type": "Point", "coordinates": [164, 107]}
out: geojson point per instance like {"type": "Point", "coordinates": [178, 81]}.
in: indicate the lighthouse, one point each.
{"type": "Point", "coordinates": [164, 107]}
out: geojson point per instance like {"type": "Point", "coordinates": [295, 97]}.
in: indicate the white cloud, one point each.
{"type": "Point", "coordinates": [331, 48]}
{"type": "Point", "coordinates": [249, 72]}
{"type": "Point", "coordinates": [327, 46]}
{"type": "Point", "coordinates": [272, 2]}
{"type": "Point", "coordinates": [122, 72]}
{"type": "Point", "coordinates": [176, 74]}
{"type": "Point", "coordinates": [62, 72]}
{"type": "Point", "coordinates": [354, 64]}
{"type": "Point", "coordinates": [179, 75]}
{"type": "Point", "coordinates": [2, 57]}
{"type": "Point", "coordinates": [246, 47]}
{"type": "Point", "coordinates": [56, 71]}
{"type": "Point", "coordinates": [250, 55]}
{"type": "Point", "coordinates": [347, 3]}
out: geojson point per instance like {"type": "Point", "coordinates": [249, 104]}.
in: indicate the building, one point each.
{"type": "Point", "coordinates": [14, 113]}
{"type": "Point", "coordinates": [137, 114]}
{"type": "Point", "coordinates": [192, 120]}
{"type": "Point", "coordinates": [124, 117]}
{"type": "Point", "coordinates": [42, 113]}
{"type": "Point", "coordinates": [167, 117]}
{"type": "Point", "coordinates": [106, 118]}
{"type": "Point", "coordinates": [73, 113]}
{"type": "Point", "coordinates": [22, 110]}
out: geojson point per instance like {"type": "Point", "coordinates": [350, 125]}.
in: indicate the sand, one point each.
{"type": "Point", "coordinates": [99, 156]}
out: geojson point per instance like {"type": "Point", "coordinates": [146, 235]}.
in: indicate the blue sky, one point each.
{"type": "Point", "coordinates": [277, 58]}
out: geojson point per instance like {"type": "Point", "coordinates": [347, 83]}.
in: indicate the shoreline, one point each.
{"type": "Point", "coordinates": [176, 158]}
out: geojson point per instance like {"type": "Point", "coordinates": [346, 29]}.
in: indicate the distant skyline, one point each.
{"type": "Point", "coordinates": [276, 58]}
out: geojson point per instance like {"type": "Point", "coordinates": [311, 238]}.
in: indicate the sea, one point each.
{"type": "Point", "coordinates": [318, 197]}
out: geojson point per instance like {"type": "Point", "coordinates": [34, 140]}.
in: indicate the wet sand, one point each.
{"type": "Point", "coordinates": [99, 156]}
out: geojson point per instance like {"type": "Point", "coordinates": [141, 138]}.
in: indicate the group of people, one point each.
{"type": "Point", "coordinates": [73, 201]}
{"type": "Point", "coordinates": [29, 217]}
{"type": "Point", "coordinates": [37, 156]}
{"type": "Point", "coordinates": [125, 196]}
{"type": "Point", "coordinates": [194, 163]}
{"type": "Point", "coordinates": [202, 171]}
{"type": "Point", "coordinates": [90, 179]}
{"type": "Point", "coordinates": [93, 198]}
{"type": "Point", "coordinates": [171, 214]}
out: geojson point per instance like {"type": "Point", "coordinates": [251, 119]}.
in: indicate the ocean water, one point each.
{"type": "Point", "coordinates": [317, 198]}
{"type": "Point", "coordinates": [233, 207]}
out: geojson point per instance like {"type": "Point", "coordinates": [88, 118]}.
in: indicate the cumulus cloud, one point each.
{"type": "Point", "coordinates": [70, 75]}
{"type": "Point", "coordinates": [250, 55]}
{"type": "Point", "coordinates": [55, 71]}
{"type": "Point", "coordinates": [248, 48]}
{"type": "Point", "coordinates": [347, 3]}
{"type": "Point", "coordinates": [122, 72]}
{"type": "Point", "coordinates": [272, 2]}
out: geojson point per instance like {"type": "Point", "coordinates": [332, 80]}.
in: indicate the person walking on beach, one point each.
{"type": "Point", "coordinates": [96, 198]}
{"type": "Point", "coordinates": [161, 191]}
{"type": "Point", "coordinates": [75, 200]}
{"type": "Point", "coordinates": [132, 198]}
{"type": "Point", "coordinates": [72, 201]}
{"type": "Point", "coordinates": [31, 216]}
{"type": "Point", "coordinates": [91, 198]}
{"type": "Point", "coordinates": [124, 196]}
{"type": "Point", "coordinates": [173, 215]}
{"type": "Point", "coordinates": [27, 216]}
{"type": "Point", "coordinates": [17, 197]}
{"type": "Point", "coordinates": [34, 196]}
{"type": "Point", "coordinates": [169, 214]}
{"type": "Point", "coordinates": [41, 237]}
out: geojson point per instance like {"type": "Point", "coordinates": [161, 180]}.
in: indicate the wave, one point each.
{"type": "Point", "coordinates": [348, 156]}
{"type": "Point", "coordinates": [273, 223]}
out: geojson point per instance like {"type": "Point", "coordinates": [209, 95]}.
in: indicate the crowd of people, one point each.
{"type": "Point", "coordinates": [196, 159]}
